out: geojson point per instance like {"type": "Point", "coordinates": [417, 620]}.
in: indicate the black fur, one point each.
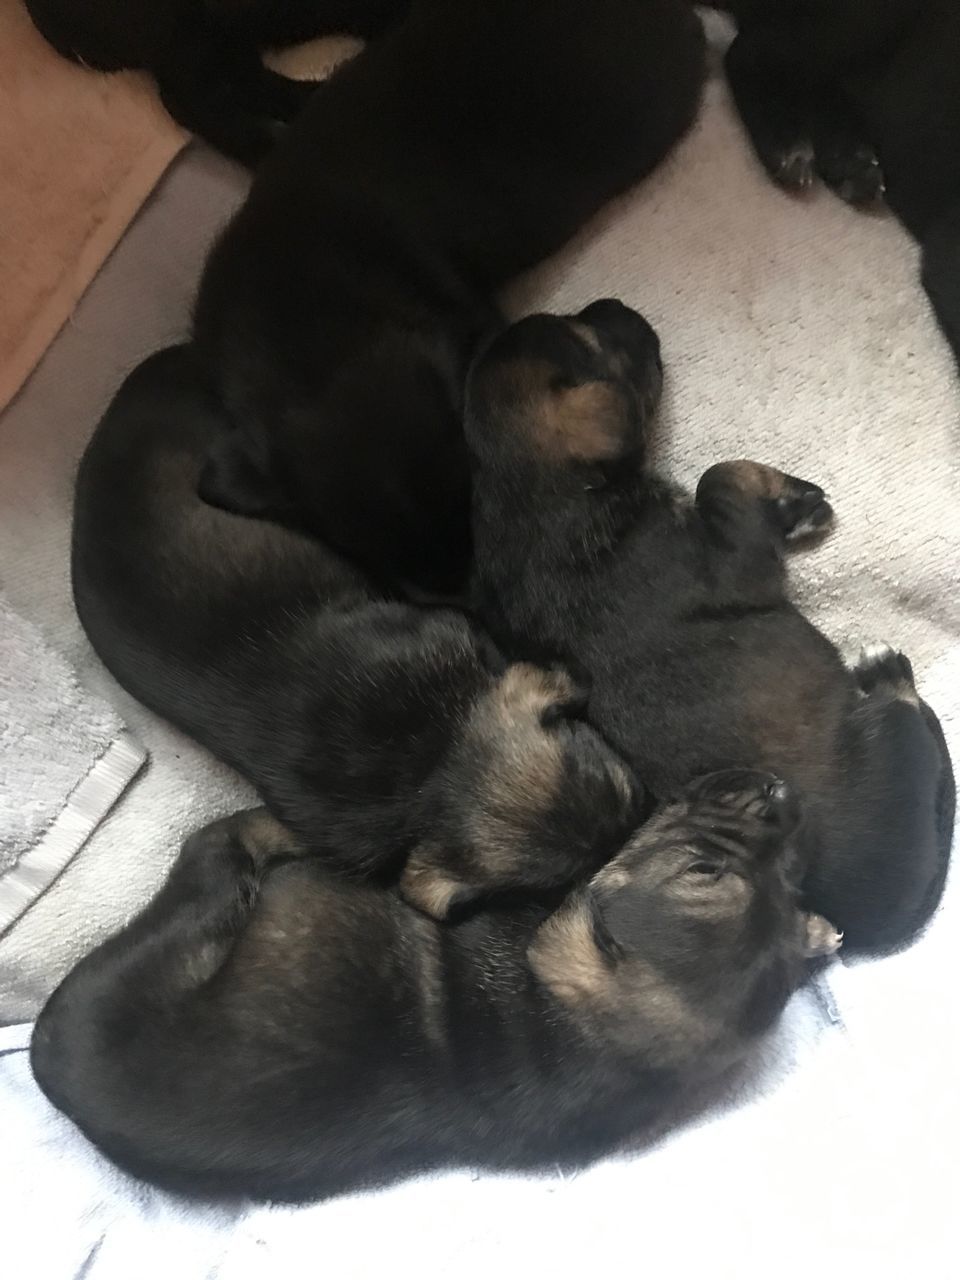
{"type": "Point", "coordinates": [379, 732]}
{"type": "Point", "coordinates": [206, 54]}
{"type": "Point", "coordinates": [867, 94]}
{"type": "Point", "coordinates": [678, 612]}
{"type": "Point", "coordinates": [338, 314]}
{"type": "Point", "coordinates": [276, 1033]}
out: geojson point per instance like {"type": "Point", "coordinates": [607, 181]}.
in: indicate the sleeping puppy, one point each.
{"type": "Point", "coordinates": [865, 93]}
{"type": "Point", "coordinates": [205, 54]}
{"type": "Point", "coordinates": [678, 611]}
{"type": "Point", "coordinates": [338, 314]}
{"type": "Point", "coordinates": [391, 739]}
{"type": "Point", "coordinates": [262, 1029]}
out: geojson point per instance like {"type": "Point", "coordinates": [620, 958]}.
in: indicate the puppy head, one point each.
{"type": "Point", "coordinates": [529, 796]}
{"type": "Point", "coordinates": [688, 943]}
{"type": "Point", "coordinates": [565, 391]}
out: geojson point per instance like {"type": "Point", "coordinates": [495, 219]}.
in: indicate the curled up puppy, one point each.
{"type": "Point", "coordinates": [265, 1029]}
{"type": "Point", "coordinates": [390, 739]}
{"type": "Point", "coordinates": [678, 611]}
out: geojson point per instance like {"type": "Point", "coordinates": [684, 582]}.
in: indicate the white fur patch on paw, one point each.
{"type": "Point", "coordinates": [876, 654]}
{"type": "Point", "coordinates": [820, 937]}
{"type": "Point", "coordinates": [817, 522]}
{"type": "Point", "coordinates": [879, 664]}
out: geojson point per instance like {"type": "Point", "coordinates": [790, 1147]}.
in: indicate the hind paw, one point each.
{"type": "Point", "coordinates": [881, 667]}
{"type": "Point", "coordinates": [803, 509]}
{"type": "Point", "coordinates": [793, 167]}
{"type": "Point", "coordinates": [853, 173]}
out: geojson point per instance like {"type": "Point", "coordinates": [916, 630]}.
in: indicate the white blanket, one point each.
{"type": "Point", "coordinates": [794, 332]}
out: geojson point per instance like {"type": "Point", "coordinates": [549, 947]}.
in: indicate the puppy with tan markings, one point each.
{"type": "Point", "coordinates": [379, 732]}
{"type": "Point", "coordinates": [678, 612]}
{"type": "Point", "coordinates": [264, 1029]}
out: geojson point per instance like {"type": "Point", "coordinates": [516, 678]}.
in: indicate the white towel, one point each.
{"type": "Point", "coordinates": [65, 759]}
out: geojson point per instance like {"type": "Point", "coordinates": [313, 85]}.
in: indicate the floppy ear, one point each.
{"type": "Point", "coordinates": [820, 938]}
{"type": "Point", "coordinates": [237, 477]}
{"type": "Point", "coordinates": [432, 887]}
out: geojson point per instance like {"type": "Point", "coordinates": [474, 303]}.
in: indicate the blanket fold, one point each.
{"type": "Point", "coordinates": [65, 759]}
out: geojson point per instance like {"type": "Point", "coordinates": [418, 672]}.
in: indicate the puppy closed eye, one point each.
{"type": "Point", "coordinates": [705, 869]}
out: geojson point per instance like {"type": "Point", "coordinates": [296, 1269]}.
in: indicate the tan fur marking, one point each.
{"type": "Point", "coordinates": [428, 887]}
{"type": "Point", "coordinates": [587, 334]}
{"type": "Point", "coordinates": [264, 838]}
{"type": "Point", "coordinates": [565, 958]}
{"type": "Point", "coordinates": [820, 937]}
{"type": "Point", "coordinates": [525, 690]}
{"type": "Point", "coordinates": [586, 423]}
{"type": "Point", "coordinates": [753, 478]}
{"type": "Point", "coordinates": [526, 766]}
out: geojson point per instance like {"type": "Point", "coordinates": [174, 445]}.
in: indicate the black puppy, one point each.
{"type": "Point", "coordinates": [383, 735]}
{"type": "Point", "coordinates": [206, 54]}
{"type": "Point", "coordinates": [290, 1036]}
{"type": "Point", "coordinates": [338, 314]}
{"type": "Point", "coordinates": [867, 94]}
{"type": "Point", "coordinates": [679, 613]}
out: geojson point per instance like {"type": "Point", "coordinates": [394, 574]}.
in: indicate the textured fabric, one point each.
{"type": "Point", "coordinates": [79, 153]}
{"type": "Point", "coordinates": [65, 758]}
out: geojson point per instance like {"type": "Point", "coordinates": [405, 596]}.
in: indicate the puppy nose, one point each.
{"type": "Point", "coordinates": [780, 804]}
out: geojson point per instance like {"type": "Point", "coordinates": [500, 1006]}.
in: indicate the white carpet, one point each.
{"type": "Point", "coordinates": [795, 333]}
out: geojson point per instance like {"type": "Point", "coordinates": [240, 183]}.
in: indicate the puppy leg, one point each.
{"type": "Point", "coordinates": [845, 161]}
{"type": "Point", "coordinates": [127, 1046]}
{"type": "Point", "coordinates": [884, 672]}
{"type": "Point", "coordinates": [799, 125]}
{"type": "Point", "coordinates": [737, 499]}
{"type": "Point", "coordinates": [773, 96]}
{"type": "Point", "coordinates": [882, 873]}
{"type": "Point", "coordinates": [144, 973]}
{"type": "Point", "coordinates": [189, 929]}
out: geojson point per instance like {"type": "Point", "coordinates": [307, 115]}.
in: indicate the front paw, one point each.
{"type": "Point", "coordinates": [791, 164]}
{"type": "Point", "coordinates": [802, 510]}
{"type": "Point", "coordinates": [852, 171]}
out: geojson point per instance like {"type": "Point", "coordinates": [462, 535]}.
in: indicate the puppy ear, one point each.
{"type": "Point", "coordinates": [820, 938]}
{"type": "Point", "coordinates": [237, 477]}
{"type": "Point", "coordinates": [432, 887]}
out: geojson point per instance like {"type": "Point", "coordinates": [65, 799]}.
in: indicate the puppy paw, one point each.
{"type": "Point", "coordinates": [820, 937]}
{"type": "Point", "coordinates": [852, 172]}
{"type": "Point", "coordinates": [793, 166]}
{"type": "Point", "coordinates": [802, 510]}
{"type": "Point", "coordinates": [882, 669]}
